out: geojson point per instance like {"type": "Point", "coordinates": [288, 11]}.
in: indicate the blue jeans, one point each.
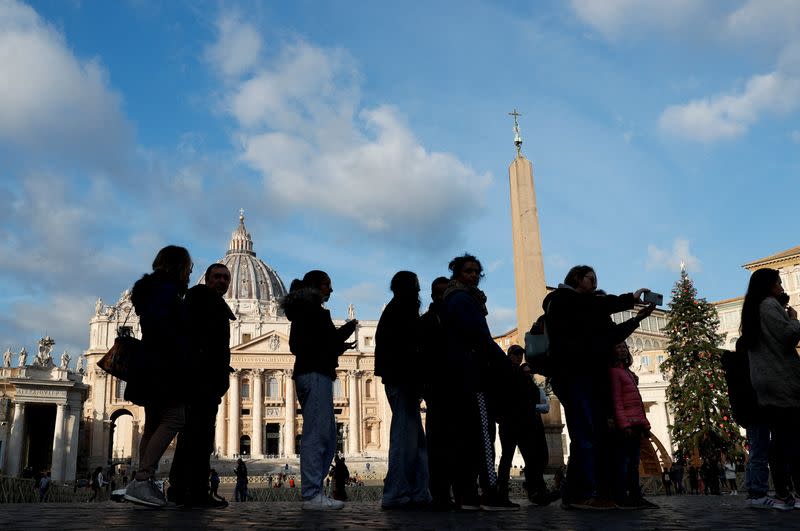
{"type": "Point", "coordinates": [318, 441]}
{"type": "Point", "coordinates": [407, 477]}
{"type": "Point", "coordinates": [757, 480]}
{"type": "Point", "coordinates": [628, 450]}
{"type": "Point", "coordinates": [587, 425]}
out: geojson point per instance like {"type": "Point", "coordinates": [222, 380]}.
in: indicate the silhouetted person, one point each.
{"type": "Point", "coordinates": [440, 426]}
{"type": "Point", "coordinates": [209, 318]}
{"type": "Point", "coordinates": [214, 485]}
{"type": "Point", "coordinates": [316, 344]}
{"type": "Point", "coordinates": [474, 359]}
{"type": "Point", "coordinates": [582, 336]}
{"type": "Point", "coordinates": [158, 299]}
{"type": "Point", "coordinates": [97, 482]}
{"type": "Point", "coordinates": [341, 475]}
{"type": "Point", "coordinates": [396, 362]}
{"type": "Point", "coordinates": [240, 491]}
{"type": "Point", "coordinates": [520, 425]}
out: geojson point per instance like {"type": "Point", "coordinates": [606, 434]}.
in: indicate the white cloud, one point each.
{"type": "Point", "coordinates": [613, 18]}
{"type": "Point", "coordinates": [52, 102]}
{"type": "Point", "coordinates": [728, 116]}
{"type": "Point", "coordinates": [501, 319]}
{"type": "Point", "coordinates": [303, 128]}
{"type": "Point", "coordinates": [671, 259]}
{"type": "Point", "coordinates": [237, 48]}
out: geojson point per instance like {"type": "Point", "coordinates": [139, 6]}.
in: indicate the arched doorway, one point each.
{"type": "Point", "coordinates": [121, 436]}
{"type": "Point", "coordinates": [244, 445]}
{"type": "Point", "coordinates": [654, 457]}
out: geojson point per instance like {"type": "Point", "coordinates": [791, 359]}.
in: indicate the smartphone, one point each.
{"type": "Point", "coordinates": [651, 297]}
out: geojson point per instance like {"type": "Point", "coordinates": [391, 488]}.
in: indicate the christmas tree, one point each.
{"type": "Point", "coordinates": [697, 393]}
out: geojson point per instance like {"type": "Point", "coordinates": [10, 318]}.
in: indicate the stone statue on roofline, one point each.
{"type": "Point", "coordinates": [65, 359]}
{"type": "Point", "coordinates": [23, 357]}
{"type": "Point", "coordinates": [7, 358]}
{"type": "Point", "coordinates": [98, 307]}
{"type": "Point", "coordinates": [44, 358]}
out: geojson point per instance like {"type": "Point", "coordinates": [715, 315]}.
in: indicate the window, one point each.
{"type": "Point", "coordinates": [368, 341]}
{"type": "Point", "coordinates": [272, 387]}
{"type": "Point", "coordinates": [645, 361]}
{"type": "Point", "coordinates": [245, 388]}
{"type": "Point", "coordinates": [659, 359]}
{"type": "Point", "coordinates": [797, 280]}
{"type": "Point", "coordinates": [119, 389]}
{"type": "Point", "coordinates": [368, 388]}
{"type": "Point", "coordinates": [246, 337]}
{"type": "Point", "coordinates": [245, 412]}
{"type": "Point", "coordinates": [338, 391]}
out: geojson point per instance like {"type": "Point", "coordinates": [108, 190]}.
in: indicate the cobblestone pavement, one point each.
{"type": "Point", "coordinates": [685, 512]}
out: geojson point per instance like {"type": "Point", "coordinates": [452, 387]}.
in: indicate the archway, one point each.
{"type": "Point", "coordinates": [244, 445]}
{"type": "Point", "coordinates": [121, 436]}
{"type": "Point", "coordinates": [654, 457]}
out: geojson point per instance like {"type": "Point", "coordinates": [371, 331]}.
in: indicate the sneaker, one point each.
{"type": "Point", "coordinates": [767, 502]}
{"type": "Point", "coordinates": [145, 493]}
{"type": "Point", "coordinates": [542, 499]}
{"type": "Point", "coordinates": [496, 503]}
{"type": "Point", "coordinates": [594, 504]}
{"type": "Point", "coordinates": [320, 502]}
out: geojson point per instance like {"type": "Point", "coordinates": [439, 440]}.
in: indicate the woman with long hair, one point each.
{"type": "Point", "coordinates": [397, 362]}
{"type": "Point", "coordinates": [771, 334]}
{"type": "Point", "coordinates": [158, 299]}
{"type": "Point", "coordinates": [316, 344]}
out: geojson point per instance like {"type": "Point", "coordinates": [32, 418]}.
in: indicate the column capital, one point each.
{"type": "Point", "coordinates": [288, 372]}
{"type": "Point", "coordinates": [235, 373]}
{"type": "Point", "coordinates": [99, 373]}
{"type": "Point", "coordinates": [355, 373]}
{"type": "Point", "coordinates": [257, 372]}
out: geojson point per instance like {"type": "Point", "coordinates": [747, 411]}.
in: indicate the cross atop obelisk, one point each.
{"type": "Point", "coordinates": [517, 136]}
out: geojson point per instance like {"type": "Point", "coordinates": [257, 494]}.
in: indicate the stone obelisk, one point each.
{"type": "Point", "coordinates": [528, 263]}
{"type": "Point", "coordinates": [529, 275]}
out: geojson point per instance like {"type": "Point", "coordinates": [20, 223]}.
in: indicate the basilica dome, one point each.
{"type": "Point", "coordinates": [251, 278]}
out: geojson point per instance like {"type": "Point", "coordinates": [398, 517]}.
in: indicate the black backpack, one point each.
{"type": "Point", "coordinates": [742, 396]}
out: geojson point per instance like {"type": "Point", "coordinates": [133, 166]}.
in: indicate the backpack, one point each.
{"type": "Point", "coordinates": [742, 396]}
{"type": "Point", "coordinates": [537, 348]}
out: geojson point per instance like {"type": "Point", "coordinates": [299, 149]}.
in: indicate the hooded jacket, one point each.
{"type": "Point", "coordinates": [626, 399]}
{"type": "Point", "coordinates": [397, 344]}
{"type": "Point", "coordinates": [313, 338]}
{"type": "Point", "coordinates": [158, 301]}
{"type": "Point", "coordinates": [210, 318]}
{"type": "Point", "coordinates": [580, 328]}
{"type": "Point", "coordinates": [774, 363]}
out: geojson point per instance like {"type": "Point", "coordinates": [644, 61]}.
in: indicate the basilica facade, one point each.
{"type": "Point", "coordinates": [259, 416]}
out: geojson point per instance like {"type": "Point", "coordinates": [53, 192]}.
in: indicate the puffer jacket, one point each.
{"type": "Point", "coordinates": [313, 338]}
{"type": "Point", "coordinates": [627, 402]}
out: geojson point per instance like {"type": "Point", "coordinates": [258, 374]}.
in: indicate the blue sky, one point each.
{"type": "Point", "coordinates": [364, 138]}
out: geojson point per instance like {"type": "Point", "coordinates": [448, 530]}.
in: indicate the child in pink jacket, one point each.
{"type": "Point", "coordinates": [631, 425]}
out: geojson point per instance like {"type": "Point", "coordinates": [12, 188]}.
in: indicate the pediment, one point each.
{"type": "Point", "coordinates": [272, 341]}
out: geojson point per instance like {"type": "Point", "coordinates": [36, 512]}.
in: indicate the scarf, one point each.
{"type": "Point", "coordinates": [477, 295]}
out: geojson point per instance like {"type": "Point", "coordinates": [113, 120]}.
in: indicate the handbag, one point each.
{"type": "Point", "coordinates": [537, 348]}
{"type": "Point", "coordinates": [124, 358]}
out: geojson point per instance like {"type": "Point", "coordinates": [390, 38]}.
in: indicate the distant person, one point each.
{"type": "Point", "coordinates": [240, 491]}
{"type": "Point", "coordinates": [474, 360]}
{"type": "Point", "coordinates": [341, 476]}
{"type": "Point", "coordinates": [694, 483]}
{"type": "Point", "coordinates": [210, 318]}
{"type": "Point", "coordinates": [440, 426]}
{"type": "Point", "coordinates": [666, 480]}
{"type": "Point", "coordinates": [44, 486]}
{"type": "Point", "coordinates": [97, 483]}
{"type": "Point", "coordinates": [158, 299]}
{"type": "Point", "coordinates": [772, 331]}
{"type": "Point", "coordinates": [520, 425]}
{"type": "Point", "coordinates": [397, 362]}
{"type": "Point", "coordinates": [316, 344]}
{"type": "Point", "coordinates": [582, 336]}
{"type": "Point", "coordinates": [214, 485]}
{"type": "Point", "coordinates": [730, 477]}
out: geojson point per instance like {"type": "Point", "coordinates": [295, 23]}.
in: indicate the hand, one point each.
{"type": "Point", "coordinates": [792, 312]}
{"type": "Point", "coordinates": [637, 295]}
{"type": "Point", "coordinates": [645, 312]}
{"type": "Point", "coordinates": [351, 345]}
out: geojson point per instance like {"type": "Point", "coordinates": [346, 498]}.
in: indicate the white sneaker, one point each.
{"type": "Point", "coordinates": [145, 493]}
{"type": "Point", "coordinates": [320, 502]}
{"type": "Point", "coordinates": [768, 502]}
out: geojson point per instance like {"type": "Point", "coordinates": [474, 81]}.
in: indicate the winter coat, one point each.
{"type": "Point", "coordinates": [397, 344]}
{"type": "Point", "coordinates": [518, 395]}
{"type": "Point", "coordinates": [313, 338]}
{"type": "Point", "coordinates": [210, 318]}
{"type": "Point", "coordinates": [627, 402]}
{"type": "Point", "coordinates": [433, 345]}
{"type": "Point", "coordinates": [774, 363]}
{"type": "Point", "coordinates": [472, 355]}
{"type": "Point", "coordinates": [163, 319]}
{"type": "Point", "coordinates": [581, 332]}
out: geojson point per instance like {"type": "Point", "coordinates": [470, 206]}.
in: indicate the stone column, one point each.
{"type": "Point", "coordinates": [288, 432]}
{"type": "Point", "coordinates": [136, 438]}
{"type": "Point", "coordinates": [14, 449]}
{"type": "Point", "coordinates": [72, 429]}
{"type": "Point", "coordinates": [57, 462]}
{"type": "Point", "coordinates": [257, 448]}
{"type": "Point", "coordinates": [219, 428]}
{"type": "Point", "coordinates": [234, 408]}
{"type": "Point", "coordinates": [99, 448]}
{"type": "Point", "coordinates": [354, 441]}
